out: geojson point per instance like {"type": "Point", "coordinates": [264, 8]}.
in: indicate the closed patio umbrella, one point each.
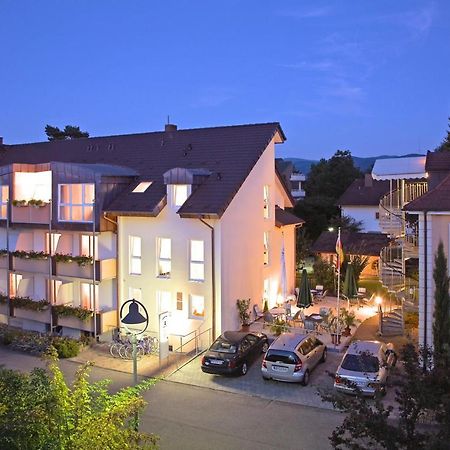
{"type": "Point", "coordinates": [304, 296]}
{"type": "Point", "coordinates": [350, 289]}
{"type": "Point", "coordinates": [283, 271]}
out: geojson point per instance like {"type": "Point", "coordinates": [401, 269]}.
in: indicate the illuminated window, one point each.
{"type": "Point", "coordinates": [87, 295]}
{"type": "Point", "coordinates": [53, 287]}
{"type": "Point", "coordinates": [180, 194]}
{"type": "Point", "coordinates": [266, 248]}
{"type": "Point", "coordinates": [135, 293]}
{"type": "Point", "coordinates": [135, 255]}
{"type": "Point", "coordinates": [89, 245]}
{"type": "Point", "coordinates": [197, 261]}
{"type": "Point", "coordinates": [14, 282]}
{"type": "Point", "coordinates": [179, 301]}
{"type": "Point", "coordinates": [33, 186]}
{"type": "Point", "coordinates": [142, 187]}
{"type": "Point", "coordinates": [76, 202]}
{"type": "Point", "coordinates": [266, 289]}
{"type": "Point", "coordinates": [164, 257]}
{"type": "Point", "coordinates": [197, 306]}
{"type": "Point", "coordinates": [266, 202]}
{"type": "Point", "coordinates": [4, 194]}
{"type": "Point", "coordinates": [51, 242]}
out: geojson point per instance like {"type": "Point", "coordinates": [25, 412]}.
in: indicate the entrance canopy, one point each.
{"type": "Point", "coordinates": [399, 168]}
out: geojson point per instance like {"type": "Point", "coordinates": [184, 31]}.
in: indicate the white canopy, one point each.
{"type": "Point", "coordinates": [399, 168]}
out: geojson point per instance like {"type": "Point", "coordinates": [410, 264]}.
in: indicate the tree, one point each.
{"type": "Point", "coordinates": [441, 323]}
{"type": "Point", "coordinates": [346, 223]}
{"type": "Point", "coordinates": [69, 132]}
{"type": "Point", "coordinates": [444, 146]}
{"type": "Point", "coordinates": [39, 410]}
{"type": "Point", "coordinates": [419, 396]}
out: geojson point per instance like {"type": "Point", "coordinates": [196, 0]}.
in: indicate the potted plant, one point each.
{"type": "Point", "coordinates": [279, 326]}
{"type": "Point", "coordinates": [244, 315]}
{"type": "Point", "coordinates": [349, 320]}
{"type": "Point", "coordinates": [266, 306]}
{"type": "Point", "coordinates": [335, 328]}
{"type": "Point", "coordinates": [19, 203]}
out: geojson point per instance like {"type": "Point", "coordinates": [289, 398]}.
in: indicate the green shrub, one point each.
{"type": "Point", "coordinates": [66, 348]}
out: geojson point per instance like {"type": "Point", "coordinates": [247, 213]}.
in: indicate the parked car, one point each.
{"type": "Point", "coordinates": [233, 352]}
{"type": "Point", "coordinates": [292, 357]}
{"type": "Point", "coordinates": [365, 368]}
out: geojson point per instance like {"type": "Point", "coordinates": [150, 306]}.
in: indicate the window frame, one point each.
{"type": "Point", "coordinates": [133, 257]}
{"type": "Point", "coordinates": [92, 244]}
{"type": "Point", "coordinates": [93, 287]}
{"type": "Point", "coordinates": [191, 313]}
{"type": "Point", "coordinates": [4, 201]}
{"type": "Point", "coordinates": [266, 251]}
{"type": "Point", "coordinates": [196, 262]}
{"type": "Point", "coordinates": [83, 203]}
{"type": "Point", "coordinates": [266, 201]}
{"type": "Point", "coordinates": [159, 259]}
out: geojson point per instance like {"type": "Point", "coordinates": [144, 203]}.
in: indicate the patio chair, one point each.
{"type": "Point", "coordinates": [320, 296]}
{"type": "Point", "coordinates": [296, 320]}
{"type": "Point", "coordinates": [319, 287]}
{"type": "Point", "coordinates": [258, 313]}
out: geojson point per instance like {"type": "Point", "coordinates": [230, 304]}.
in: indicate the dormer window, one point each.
{"type": "Point", "coordinates": [180, 193]}
{"type": "Point", "coordinates": [142, 187]}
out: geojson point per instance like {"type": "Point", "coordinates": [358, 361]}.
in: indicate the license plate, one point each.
{"type": "Point", "coordinates": [215, 361]}
{"type": "Point", "coordinates": [279, 369]}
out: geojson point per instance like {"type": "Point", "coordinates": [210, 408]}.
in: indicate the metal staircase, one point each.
{"type": "Point", "coordinates": [392, 323]}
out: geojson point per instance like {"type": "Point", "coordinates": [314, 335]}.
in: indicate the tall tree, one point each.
{"type": "Point", "coordinates": [444, 146]}
{"type": "Point", "coordinates": [69, 132]}
{"type": "Point", "coordinates": [441, 323]}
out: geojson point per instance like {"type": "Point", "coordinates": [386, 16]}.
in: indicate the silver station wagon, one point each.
{"type": "Point", "coordinates": [365, 368]}
{"type": "Point", "coordinates": [292, 357]}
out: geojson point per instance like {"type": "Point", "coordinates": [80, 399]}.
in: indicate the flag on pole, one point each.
{"type": "Point", "coordinates": [339, 250]}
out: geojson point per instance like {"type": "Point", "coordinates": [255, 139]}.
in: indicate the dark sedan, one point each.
{"type": "Point", "coordinates": [233, 351]}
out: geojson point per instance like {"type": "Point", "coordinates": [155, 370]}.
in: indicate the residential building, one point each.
{"type": "Point", "coordinates": [186, 221]}
{"type": "Point", "coordinates": [292, 177]}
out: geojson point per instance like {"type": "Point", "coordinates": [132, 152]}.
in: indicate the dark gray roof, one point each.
{"type": "Point", "coordinates": [283, 217]}
{"type": "Point", "coordinates": [361, 193]}
{"type": "Point", "coordinates": [229, 153]}
{"type": "Point", "coordinates": [438, 199]}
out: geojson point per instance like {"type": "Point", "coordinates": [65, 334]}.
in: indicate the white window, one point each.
{"type": "Point", "coordinates": [266, 248]}
{"type": "Point", "coordinates": [89, 245]}
{"type": "Point", "coordinates": [53, 287]}
{"type": "Point", "coordinates": [87, 295]}
{"type": "Point", "coordinates": [135, 255]}
{"type": "Point", "coordinates": [15, 280]}
{"type": "Point", "coordinates": [4, 194]}
{"type": "Point", "coordinates": [266, 202]}
{"type": "Point", "coordinates": [180, 194]}
{"type": "Point", "coordinates": [266, 289]}
{"type": "Point", "coordinates": [142, 187]}
{"type": "Point", "coordinates": [76, 202]}
{"type": "Point", "coordinates": [197, 306]}
{"type": "Point", "coordinates": [164, 299]}
{"type": "Point", "coordinates": [135, 293]}
{"type": "Point", "coordinates": [197, 261]}
{"type": "Point", "coordinates": [51, 242]}
{"type": "Point", "coordinates": [164, 257]}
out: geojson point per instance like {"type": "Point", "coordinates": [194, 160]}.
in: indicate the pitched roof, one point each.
{"type": "Point", "coordinates": [368, 244]}
{"type": "Point", "coordinates": [438, 161]}
{"type": "Point", "coordinates": [229, 153]}
{"type": "Point", "coordinates": [360, 194]}
{"type": "Point", "coordinates": [438, 199]}
{"type": "Point", "coordinates": [283, 218]}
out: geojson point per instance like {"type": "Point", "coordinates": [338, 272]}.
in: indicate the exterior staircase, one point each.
{"type": "Point", "coordinates": [392, 323]}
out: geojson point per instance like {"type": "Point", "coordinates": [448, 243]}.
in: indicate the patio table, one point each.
{"type": "Point", "coordinates": [279, 311]}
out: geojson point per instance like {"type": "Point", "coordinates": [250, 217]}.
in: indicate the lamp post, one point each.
{"type": "Point", "coordinates": [378, 302]}
{"type": "Point", "coordinates": [134, 317]}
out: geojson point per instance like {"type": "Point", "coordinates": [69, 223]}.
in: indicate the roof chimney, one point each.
{"type": "Point", "coordinates": [368, 180]}
{"type": "Point", "coordinates": [170, 127]}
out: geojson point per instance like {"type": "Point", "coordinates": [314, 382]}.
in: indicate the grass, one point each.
{"type": "Point", "coordinates": [373, 286]}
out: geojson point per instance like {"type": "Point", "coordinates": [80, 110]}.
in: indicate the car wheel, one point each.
{"type": "Point", "coordinates": [244, 368]}
{"type": "Point", "coordinates": [306, 378]}
{"type": "Point", "coordinates": [265, 378]}
{"type": "Point", "coordinates": [265, 347]}
{"type": "Point", "coordinates": [324, 355]}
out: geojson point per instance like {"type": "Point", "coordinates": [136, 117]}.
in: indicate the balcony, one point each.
{"type": "Point", "coordinates": [4, 309]}
{"type": "Point", "coordinates": [105, 269]}
{"type": "Point", "coordinates": [298, 193]}
{"type": "Point", "coordinates": [31, 265]}
{"type": "Point", "coordinates": [298, 177]}
{"type": "Point", "coordinates": [39, 316]}
{"type": "Point", "coordinates": [31, 214]}
{"type": "Point", "coordinates": [4, 262]}
{"type": "Point", "coordinates": [106, 321]}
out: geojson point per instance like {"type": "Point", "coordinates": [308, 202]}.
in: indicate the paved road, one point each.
{"type": "Point", "coordinates": [189, 417]}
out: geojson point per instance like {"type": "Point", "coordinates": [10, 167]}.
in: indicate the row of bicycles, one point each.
{"type": "Point", "coordinates": [121, 346]}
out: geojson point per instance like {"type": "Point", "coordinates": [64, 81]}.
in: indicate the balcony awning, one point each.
{"type": "Point", "coordinates": [399, 168]}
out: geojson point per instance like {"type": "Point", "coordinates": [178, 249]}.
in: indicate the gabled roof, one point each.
{"type": "Point", "coordinates": [229, 153]}
{"type": "Point", "coordinates": [438, 199]}
{"type": "Point", "coordinates": [283, 218]}
{"type": "Point", "coordinates": [368, 244]}
{"type": "Point", "coordinates": [361, 194]}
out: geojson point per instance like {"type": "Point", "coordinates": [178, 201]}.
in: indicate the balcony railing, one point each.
{"type": "Point", "coordinates": [105, 269]}
{"type": "Point", "coordinates": [30, 265]}
{"type": "Point", "coordinates": [106, 321]}
{"type": "Point", "coordinates": [298, 193]}
{"type": "Point", "coordinates": [30, 214]}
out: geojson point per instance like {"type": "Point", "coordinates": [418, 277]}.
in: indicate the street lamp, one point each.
{"type": "Point", "coordinates": [378, 302]}
{"type": "Point", "coordinates": [134, 317]}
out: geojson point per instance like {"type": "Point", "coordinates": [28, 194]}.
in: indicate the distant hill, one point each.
{"type": "Point", "coordinates": [364, 164]}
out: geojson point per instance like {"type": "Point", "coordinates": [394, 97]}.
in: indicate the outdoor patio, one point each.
{"type": "Point", "coordinates": [362, 313]}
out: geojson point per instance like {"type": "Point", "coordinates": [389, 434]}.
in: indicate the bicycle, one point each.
{"type": "Point", "coordinates": [146, 346]}
{"type": "Point", "coordinates": [116, 346]}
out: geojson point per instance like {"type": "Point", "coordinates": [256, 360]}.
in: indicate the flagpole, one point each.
{"type": "Point", "coordinates": [338, 305]}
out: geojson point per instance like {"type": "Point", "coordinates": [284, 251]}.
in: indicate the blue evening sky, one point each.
{"type": "Point", "coordinates": [369, 76]}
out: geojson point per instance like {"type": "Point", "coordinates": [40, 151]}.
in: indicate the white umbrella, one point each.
{"type": "Point", "coordinates": [283, 271]}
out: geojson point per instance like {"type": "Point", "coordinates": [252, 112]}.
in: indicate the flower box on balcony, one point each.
{"type": "Point", "coordinates": [30, 214]}
{"type": "Point", "coordinates": [83, 319]}
{"type": "Point", "coordinates": [43, 316]}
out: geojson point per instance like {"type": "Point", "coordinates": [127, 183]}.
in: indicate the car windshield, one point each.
{"type": "Point", "coordinates": [361, 363]}
{"type": "Point", "coordinates": [281, 356]}
{"type": "Point", "coordinates": [223, 346]}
